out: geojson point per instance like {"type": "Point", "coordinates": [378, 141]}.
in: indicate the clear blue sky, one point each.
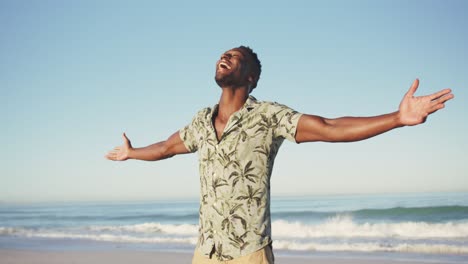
{"type": "Point", "coordinates": [75, 74]}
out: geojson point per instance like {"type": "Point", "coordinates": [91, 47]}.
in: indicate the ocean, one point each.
{"type": "Point", "coordinates": [425, 226]}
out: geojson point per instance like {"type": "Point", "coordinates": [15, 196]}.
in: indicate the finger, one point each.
{"type": "Point", "coordinates": [442, 99]}
{"type": "Point", "coordinates": [413, 88]}
{"type": "Point", "coordinates": [439, 94]}
{"type": "Point", "coordinates": [110, 156]}
{"type": "Point", "coordinates": [127, 142]}
{"type": "Point", "coordinates": [435, 108]}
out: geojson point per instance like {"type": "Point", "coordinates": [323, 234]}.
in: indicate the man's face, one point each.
{"type": "Point", "coordinates": [232, 69]}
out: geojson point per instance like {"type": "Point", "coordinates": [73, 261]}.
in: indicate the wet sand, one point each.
{"type": "Point", "coordinates": [14, 256]}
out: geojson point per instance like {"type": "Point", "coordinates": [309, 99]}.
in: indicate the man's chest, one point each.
{"type": "Point", "coordinates": [219, 127]}
{"type": "Point", "coordinates": [238, 141]}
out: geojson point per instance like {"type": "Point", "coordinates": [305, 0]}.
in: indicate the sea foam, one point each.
{"type": "Point", "coordinates": [339, 233]}
{"type": "Point", "coordinates": [149, 228]}
{"type": "Point", "coordinates": [344, 226]}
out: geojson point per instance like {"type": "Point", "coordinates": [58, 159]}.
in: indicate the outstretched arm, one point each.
{"type": "Point", "coordinates": [158, 151]}
{"type": "Point", "coordinates": [412, 111]}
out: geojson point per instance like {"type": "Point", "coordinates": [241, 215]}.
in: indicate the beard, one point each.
{"type": "Point", "coordinates": [225, 80]}
{"type": "Point", "coordinates": [228, 80]}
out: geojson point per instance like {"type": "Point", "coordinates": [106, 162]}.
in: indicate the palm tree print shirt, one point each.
{"type": "Point", "coordinates": [235, 175]}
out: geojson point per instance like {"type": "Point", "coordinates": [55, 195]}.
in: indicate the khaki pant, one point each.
{"type": "Point", "coordinates": [262, 256]}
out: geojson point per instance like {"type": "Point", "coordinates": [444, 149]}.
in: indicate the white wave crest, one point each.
{"type": "Point", "coordinates": [340, 233]}
{"type": "Point", "coordinates": [344, 226]}
{"type": "Point", "coordinates": [117, 238]}
{"type": "Point", "coordinates": [149, 228]}
{"type": "Point", "coordinates": [139, 233]}
{"type": "Point", "coordinates": [107, 237]}
{"type": "Point", "coordinates": [8, 230]}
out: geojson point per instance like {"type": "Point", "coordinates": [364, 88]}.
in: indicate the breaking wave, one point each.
{"type": "Point", "coordinates": [339, 233]}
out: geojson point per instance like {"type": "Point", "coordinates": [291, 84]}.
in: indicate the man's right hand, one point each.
{"type": "Point", "coordinates": [120, 153]}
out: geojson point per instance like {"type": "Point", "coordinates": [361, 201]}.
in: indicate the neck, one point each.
{"type": "Point", "coordinates": [231, 101]}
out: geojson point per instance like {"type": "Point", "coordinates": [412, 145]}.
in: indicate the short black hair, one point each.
{"type": "Point", "coordinates": [257, 67]}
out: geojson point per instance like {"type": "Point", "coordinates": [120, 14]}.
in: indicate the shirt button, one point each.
{"type": "Point", "coordinates": [214, 231]}
{"type": "Point", "coordinates": [216, 147]}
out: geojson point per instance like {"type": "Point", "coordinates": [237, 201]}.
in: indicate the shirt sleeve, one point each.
{"type": "Point", "coordinates": [189, 133]}
{"type": "Point", "coordinates": [286, 120]}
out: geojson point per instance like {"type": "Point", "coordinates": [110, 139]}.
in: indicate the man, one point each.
{"type": "Point", "coordinates": [237, 141]}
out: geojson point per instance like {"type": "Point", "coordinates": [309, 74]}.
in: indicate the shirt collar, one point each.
{"type": "Point", "coordinates": [235, 118]}
{"type": "Point", "coordinates": [249, 104]}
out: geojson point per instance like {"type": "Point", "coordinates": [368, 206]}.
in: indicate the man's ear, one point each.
{"type": "Point", "coordinates": [252, 80]}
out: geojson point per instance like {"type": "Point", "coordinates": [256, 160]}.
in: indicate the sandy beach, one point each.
{"type": "Point", "coordinates": [8, 256]}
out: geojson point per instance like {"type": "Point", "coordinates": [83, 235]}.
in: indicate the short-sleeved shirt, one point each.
{"type": "Point", "coordinates": [235, 175]}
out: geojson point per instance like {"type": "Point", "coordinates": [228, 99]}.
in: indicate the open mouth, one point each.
{"type": "Point", "coordinates": [224, 65]}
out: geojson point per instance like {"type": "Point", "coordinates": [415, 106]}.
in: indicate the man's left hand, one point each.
{"type": "Point", "coordinates": [414, 110]}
